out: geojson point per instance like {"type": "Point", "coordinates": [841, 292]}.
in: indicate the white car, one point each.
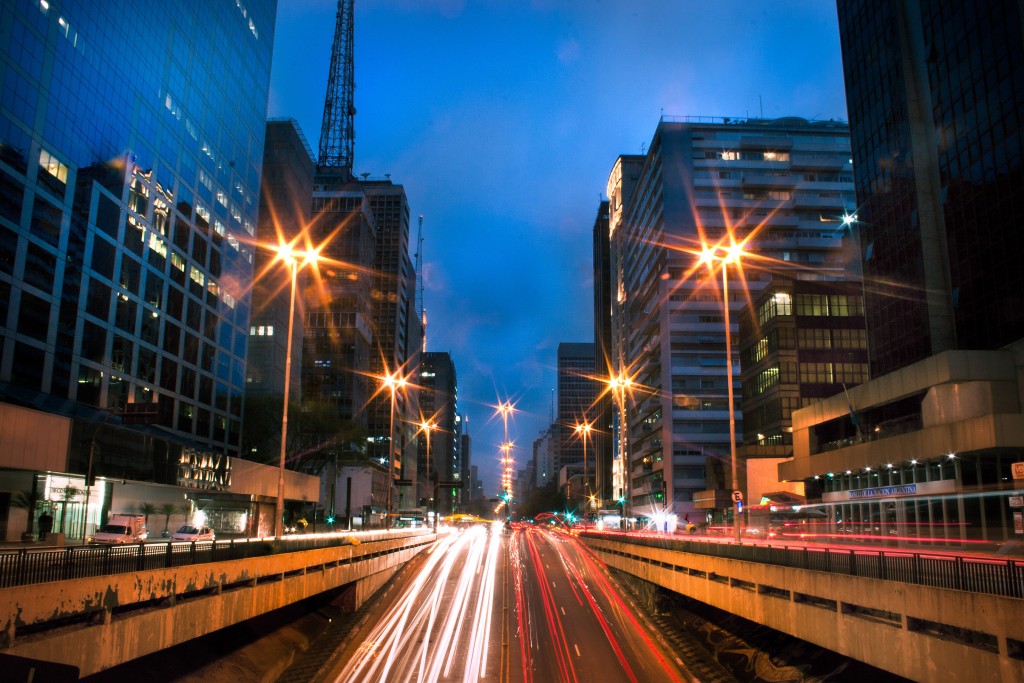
{"type": "Point", "coordinates": [193, 533]}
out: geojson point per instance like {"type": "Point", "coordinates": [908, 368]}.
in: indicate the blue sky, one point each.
{"type": "Point", "coordinates": [502, 119]}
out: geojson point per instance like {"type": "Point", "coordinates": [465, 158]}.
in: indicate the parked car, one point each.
{"type": "Point", "coordinates": [120, 530]}
{"type": "Point", "coordinates": [193, 533]}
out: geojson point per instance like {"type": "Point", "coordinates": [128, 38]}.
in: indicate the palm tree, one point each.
{"type": "Point", "coordinates": [186, 510]}
{"type": "Point", "coordinates": [167, 509]}
{"type": "Point", "coordinates": [27, 500]}
{"type": "Point", "coordinates": [147, 509]}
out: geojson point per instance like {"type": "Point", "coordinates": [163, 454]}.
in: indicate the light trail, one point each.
{"type": "Point", "coordinates": [418, 638]}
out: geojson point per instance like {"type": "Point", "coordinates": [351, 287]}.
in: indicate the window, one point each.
{"type": "Point", "coordinates": [54, 168]}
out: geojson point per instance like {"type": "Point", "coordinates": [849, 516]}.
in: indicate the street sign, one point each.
{"type": "Point", "coordinates": [737, 496]}
{"type": "Point", "coordinates": [1018, 470]}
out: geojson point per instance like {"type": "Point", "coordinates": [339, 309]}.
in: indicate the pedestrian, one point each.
{"type": "Point", "coordinates": [45, 524]}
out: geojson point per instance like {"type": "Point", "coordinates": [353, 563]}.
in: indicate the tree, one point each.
{"type": "Point", "coordinates": [27, 500]}
{"type": "Point", "coordinates": [69, 493]}
{"type": "Point", "coordinates": [147, 509]}
{"type": "Point", "coordinates": [186, 510]}
{"type": "Point", "coordinates": [168, 509]}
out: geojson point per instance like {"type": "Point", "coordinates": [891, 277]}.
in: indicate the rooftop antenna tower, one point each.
{"type": "Point", "coordinates": [337, 131]}
{"type": "Point", "coordinates": [420, 310]}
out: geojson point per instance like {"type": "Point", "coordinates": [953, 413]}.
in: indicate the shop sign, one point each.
{"type": "Point", "coordinates": [1018, 470]}
{"type": "Point", "coordinates": [1018, 522]}
{"type": "Point", "coordinates": [1017, 501]}
{"type": "Point", "coordinates": [884, 491]}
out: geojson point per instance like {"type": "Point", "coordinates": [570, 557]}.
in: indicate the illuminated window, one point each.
{"type": "Point", "coordinates": [177, 261]}
{"type": "Point", "coordinates": [51, 165]}
{"type": "Point", "coordinates": [197, 276]}
{"type": "Point", "coordinates": [157, 245]}
{"type": "Point", "coordinates": [270, 330]}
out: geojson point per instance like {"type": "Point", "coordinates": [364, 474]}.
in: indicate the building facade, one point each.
{"type": "Point", "coordinates": [577, 391]}
{"type": "Point", "coordinates": [439, 404]}
{"type": "Point", "coordinates": [938, 166]}
{"type": "Point", "coordinates": [604, 405]}
{"type": "Point", "coordinates": [924, 452]}
{"type": "Point", "coordinates": [286, 193]}
{"type": "Point", "coordinates": [781, 187]}
{"type": "Point", "coordinates": [129, 208]}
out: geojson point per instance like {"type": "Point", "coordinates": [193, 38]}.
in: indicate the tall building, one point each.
{"type": "Point", "coordinates": [577, 390]}
{"type": "Point", "coordinates": [925, 449]}
{"type": "Point", "coordinates": [439, 404]}
{"type": "Point", "coordinates": [339, 328]}
{"type": "Point", "coordinates": [785, 184]}
{"type": "Point", "coordinates": [939, 168]}
{"type": "Point", "coordinates": [128, 212]}
{"type": "Point", "coordinates": [285, 197]}
{"type": "Point", "coordinates": [398, 332]}
{"type": "Point", "coordinates": [604, 410]}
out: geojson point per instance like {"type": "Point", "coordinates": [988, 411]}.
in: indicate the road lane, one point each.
{"type": "Point", "coordinates": [534, 606]}
{"type": "Point", "coordinates": [574, 624]}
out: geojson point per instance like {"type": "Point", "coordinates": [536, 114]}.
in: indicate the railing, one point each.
{"type": "Point", "coordinates": [24, 566]}
{"type": "Point", "coordinates": [992, 576]}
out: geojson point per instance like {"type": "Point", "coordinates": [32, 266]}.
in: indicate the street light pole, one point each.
{"type": "Point", "coordinates": [279, 509]}
{"type": "Point", "coordinates": [732, 411]}
{"type": "Point", "coordinates": [732, 255]}
{"type": "Point", "coordinates": [393, 382]}
{"type": "Point", "coordinates": [428, 426]}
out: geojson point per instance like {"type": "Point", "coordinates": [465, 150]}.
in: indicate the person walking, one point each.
{"type": "Point", "coordinates": [45, 524]}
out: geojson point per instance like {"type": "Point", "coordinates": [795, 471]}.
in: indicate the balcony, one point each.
{"type": "Point", "coordinates": [809, 162]}
{"type": "Point", "coordinates": [806, 200]}
{"type": "Point", "coordinates": [762, 180]}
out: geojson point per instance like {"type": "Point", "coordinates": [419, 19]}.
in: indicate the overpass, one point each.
{"type": "Point", "coordinates": [67, 607]}
{"type": "Point", "coordinates": [923, 616]}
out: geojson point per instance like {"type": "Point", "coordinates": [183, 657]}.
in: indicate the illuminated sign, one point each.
{"type": "Point", "coordinates": [884, 491]}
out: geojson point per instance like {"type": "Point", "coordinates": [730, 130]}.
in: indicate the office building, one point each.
{"type": "Point", "coordinates": [285, 196]}
{"type": "Point", "coordinates": [925, 449]}
{"type": "Point", "coordinates": [604, 412]}
{"type": "Point", "coordinates": [577, 390]}
{"type": "Point", "coordinates": [779, 186]}
{"type": "Point", "coordinates": [439, 404]}
{"type": "Point", "coordinates": [129, 210]}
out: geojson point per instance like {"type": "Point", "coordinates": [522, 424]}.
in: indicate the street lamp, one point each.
{"type": "Point", "coordinates": [428, 426]}
{"type": "Point", "coordinates": [506, 408]}
{"type": "Point", "coordinates": [732, 254]}
{"type": "Point", "coordinates": [294, 259]}
{"type": "Point", "coordinates": [393, 382]}
{"type": "Point", "coordinates": [618, 385]}
{"type": "Point", "coordinates": [583, 431]}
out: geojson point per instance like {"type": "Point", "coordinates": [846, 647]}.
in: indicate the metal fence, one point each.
{"type": "Point", "coordinates": [25, 566]}
{"type": "Point", "coordinates": [993, 576]}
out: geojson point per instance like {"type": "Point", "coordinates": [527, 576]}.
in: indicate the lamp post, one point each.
{"type": "Point", "coordinates": [583, 431]}
{"type": "Point", "coordinates": [506, 408]}
{"type": "Point", "coordinates": [393, 382]}
{"type": "Point", "coordinates": [732, 255]}
{"type": "Point", "coordinates": [618, 385]}
{"type": "Point", "coordinates": [428, 426]}
{"type": "Point", "coordinates": [291, 258]}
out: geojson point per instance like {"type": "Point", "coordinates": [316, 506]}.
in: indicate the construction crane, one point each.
{"type": "Point", "coordinates": [421, 311]}
{"type": "Point", "coordinates": [337, 132]}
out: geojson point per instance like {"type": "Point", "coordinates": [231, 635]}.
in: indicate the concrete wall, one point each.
{"type": "Point", "coordinates": [911, 630]}
{"type": "Point", "coordinates": [98, 623]}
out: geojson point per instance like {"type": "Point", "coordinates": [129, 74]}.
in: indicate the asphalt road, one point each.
{"type": "Point", "coordinates": [529, 606]}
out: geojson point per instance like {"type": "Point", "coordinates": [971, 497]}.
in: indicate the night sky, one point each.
{"type": "Point", "coordinates": [502, 119]}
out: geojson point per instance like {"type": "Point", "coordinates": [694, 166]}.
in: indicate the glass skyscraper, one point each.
{"type": "Point", "coordinates": [131, 142]}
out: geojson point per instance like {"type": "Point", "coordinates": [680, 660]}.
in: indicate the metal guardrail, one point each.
{"type": "Point", "coordinates": [24, 566]}
{"type": "Point", "coordinates": [992, 576]}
